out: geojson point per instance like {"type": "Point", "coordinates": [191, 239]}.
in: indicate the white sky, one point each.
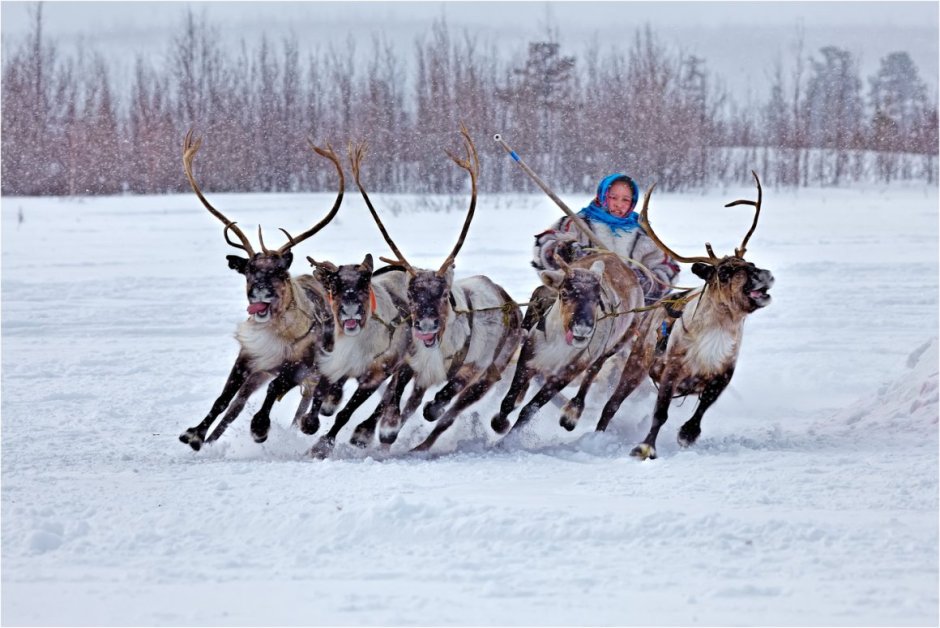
{"type": "Point", "coordinates": [739, 40]}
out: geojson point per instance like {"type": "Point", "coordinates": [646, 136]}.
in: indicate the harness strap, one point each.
{"type": "Point", "coordinates": [459, 357]}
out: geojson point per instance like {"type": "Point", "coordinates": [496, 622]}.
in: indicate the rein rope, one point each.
{"type": "Point", "coordinates": [640, 265]}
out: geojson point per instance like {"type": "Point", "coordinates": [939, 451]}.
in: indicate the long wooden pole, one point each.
{"type": "Point", "coordinates": [574, 217]}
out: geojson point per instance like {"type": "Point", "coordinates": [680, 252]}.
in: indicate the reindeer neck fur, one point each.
{"type": "Point", "coordinates": [709, 334]}
{"type": "Point", "coordinates": [353, 356]}
{"type": "Point", "coordinates": [283, 338]}
{"type": "Point", "coordinates": [431, 364]}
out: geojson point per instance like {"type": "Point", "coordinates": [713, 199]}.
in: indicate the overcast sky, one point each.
{"type": "Point", "coordinates": [739, 40]}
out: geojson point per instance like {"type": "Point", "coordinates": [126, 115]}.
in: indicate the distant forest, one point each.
{"type": "Point", "coordinates": [645, 109]}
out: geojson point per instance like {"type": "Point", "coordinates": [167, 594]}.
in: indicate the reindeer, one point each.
{"type": "Point", "coordinates": [288, 319]}
{"type": "Point", "coordinates": [589, 318]}
{"type": "Point", "coordinates": [370, 340]}
{"type": "Point", "coordinates": [693, 349]}
{"type": "Point", "coordinates": [463, 333]}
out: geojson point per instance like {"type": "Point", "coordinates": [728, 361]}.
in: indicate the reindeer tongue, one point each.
{"type": "Point", "coordinates": [350, 323]}
{"type": "Point", "coordinates": [569, 336]}
{"type": "Point", "coordinates": [255, 308]}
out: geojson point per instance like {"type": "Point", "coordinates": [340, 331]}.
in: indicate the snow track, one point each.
{"type": "Point", "coordinates": [811, 497]}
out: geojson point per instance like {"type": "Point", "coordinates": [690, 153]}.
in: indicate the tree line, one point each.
{"type": "Point", "coordinates": [643, 108]}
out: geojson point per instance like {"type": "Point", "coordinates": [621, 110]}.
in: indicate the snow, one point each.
{"type": "Point", "coordinates": [811, 497]}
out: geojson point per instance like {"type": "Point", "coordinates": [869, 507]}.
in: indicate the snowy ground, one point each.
{"type": "Point", "coordinates": [811, 498]}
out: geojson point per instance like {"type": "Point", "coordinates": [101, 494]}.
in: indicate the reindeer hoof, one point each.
{"type": "Point", "coordinates": [361, 438]}
{"type": "Point", "coordinates": [568, 422]}
{"type": "Point", "coordinates": [433, 411]}
{"type": "Point", "coordinates": [688, 435]}
{"type": "Point", "coordinates": [323, 448]}
{"type": "Point", "coordinates": [643, 452]}
{"type": "Point", "coordinates": [260, 425]}
{"type": "Point", "coordinates": [192, 438]}
{"type": "Point", "coordinates": [423, 447]}
{"type": "Point", "coordinates": [500, 424]}
{"type": "Point", "coordinates": [388, 437]}
{"type": "Point", "coordinates": [309, 424]}
{"type": "Point", "coordinates": [570, 414]}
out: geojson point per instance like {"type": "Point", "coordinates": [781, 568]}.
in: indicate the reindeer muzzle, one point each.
{"type": "Point", "coordinates": [260, 310]}
{"type": "Point", "coordinates": [426, 332]}
{"type": "Point", "coordinates": [579, 335]}
{"type": "Point", "coordinates": [351, 319]}
{"type": "Point", "coordinates": [758, 290]}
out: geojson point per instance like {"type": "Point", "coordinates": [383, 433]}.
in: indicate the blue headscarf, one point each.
{"type": "Point", "coordinates": [597, 210]}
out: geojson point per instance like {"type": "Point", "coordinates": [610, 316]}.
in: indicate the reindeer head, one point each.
{"type": "Point", "coordinates": [740, 284]}
{"type": "Point", "coordinates": [429, 292]}
{"type": "Point", "coordinates": [267, 272]}
{"type": "Point", "coordinates": [429, 303]}
{"type": "Point", "coordinates": [349, 288]}
{"type": "Point", "coordinates": [579, 298]}
{"type": "Point", "coordinates": [737, 283]}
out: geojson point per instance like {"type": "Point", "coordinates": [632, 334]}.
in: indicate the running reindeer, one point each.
{"type": "Point", "coordinates": [370, 340]}
{"type": "Point", "coordinates": [463, 333]}
{"type": "Point", "coordinates": [698, 354]}
{"type": "Point", "coordinates": [288, 319]}
{"type": "Point", "coordinates": [589, 317]}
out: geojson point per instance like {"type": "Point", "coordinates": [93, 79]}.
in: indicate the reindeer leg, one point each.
{"type": "Point", "coordinates": [310, 422]}
{"type": "Point", "coordinates": [324, 446]}
{"type": "Point", "coordinates": [470, 395]}
{"type": "Point", "coordinates": [390, 421]}
{"type": "Point", "coordinates": [690, 431]}
{"type": "Point", "coordinates": [633, 373]}
{"type": "Point", "coordinates": [305, 399]}
{"type": "Point", "coordinates": [253, 383]}
{"type": "Point", "coordinates": [647, 449]}
{"type": "Point", "coordinates": [333, 396]}
{"type": "Point", "coordinates": [364, 432]}
{"type": "Point", "coordinates": [573, 409]}
{"type": "Point", "coordinates": [552, 385]}
{"type": "Point", "coordinates": [261, 422]}
{"type": "Point", "coordinates": [434, 409]}
{"type": "Point", "coordinates": [417, 394]}
{"type": "Point", "coordinates": [194, 436]}
{"type": "Point", "coordinates": [517, 389]}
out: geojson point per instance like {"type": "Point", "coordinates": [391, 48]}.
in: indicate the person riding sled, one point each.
{"type": "Point", "coordinates": [613, 221]}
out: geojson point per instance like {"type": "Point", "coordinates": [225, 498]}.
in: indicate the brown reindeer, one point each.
{"type": "Point", "coordinates": [370, 340]}
{"type": "Point", "coordinates": [693, 350]}
{"type": "Point", "coordinates": [289, 319]}
{"type": "Point", "coordinates": [463, 333]}
{"type": "Point", "coordinates": [590, 318]}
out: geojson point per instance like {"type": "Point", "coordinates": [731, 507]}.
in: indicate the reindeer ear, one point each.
{"type": "Point", "coordinates": [287, 258]}
{"type": "Point", "coordinates": [367, 263]}
{"type": "Point", "coordinates": [322, 266]}
{"type": "Point", "coordinates": [703, 271]}
{"type": "Point", "coordinates": [237, 263]}
{"type": "Point", "coordinates": [598, 268]}
{"type": "Point", "coordinates": [552, 278]}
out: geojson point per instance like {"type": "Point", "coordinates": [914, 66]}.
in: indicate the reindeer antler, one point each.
{"type": "Point", "coordinates": [472, 165]}
{"type": "Point", "coordinates": [330, 154]}
{"type": "Point", "coordinates": [355, 159]}
{"type": "Point", "coordinates": [191, 146]}
{"type": "Point", "coordinates": [644, 222]}
{"type": "Point", "coordinates": [756, 204]}
{"type": "Point", "coordinates": [232, 226]}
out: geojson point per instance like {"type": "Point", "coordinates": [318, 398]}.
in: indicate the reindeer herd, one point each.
{"type": "Point", "coordinates": [398, 324]}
